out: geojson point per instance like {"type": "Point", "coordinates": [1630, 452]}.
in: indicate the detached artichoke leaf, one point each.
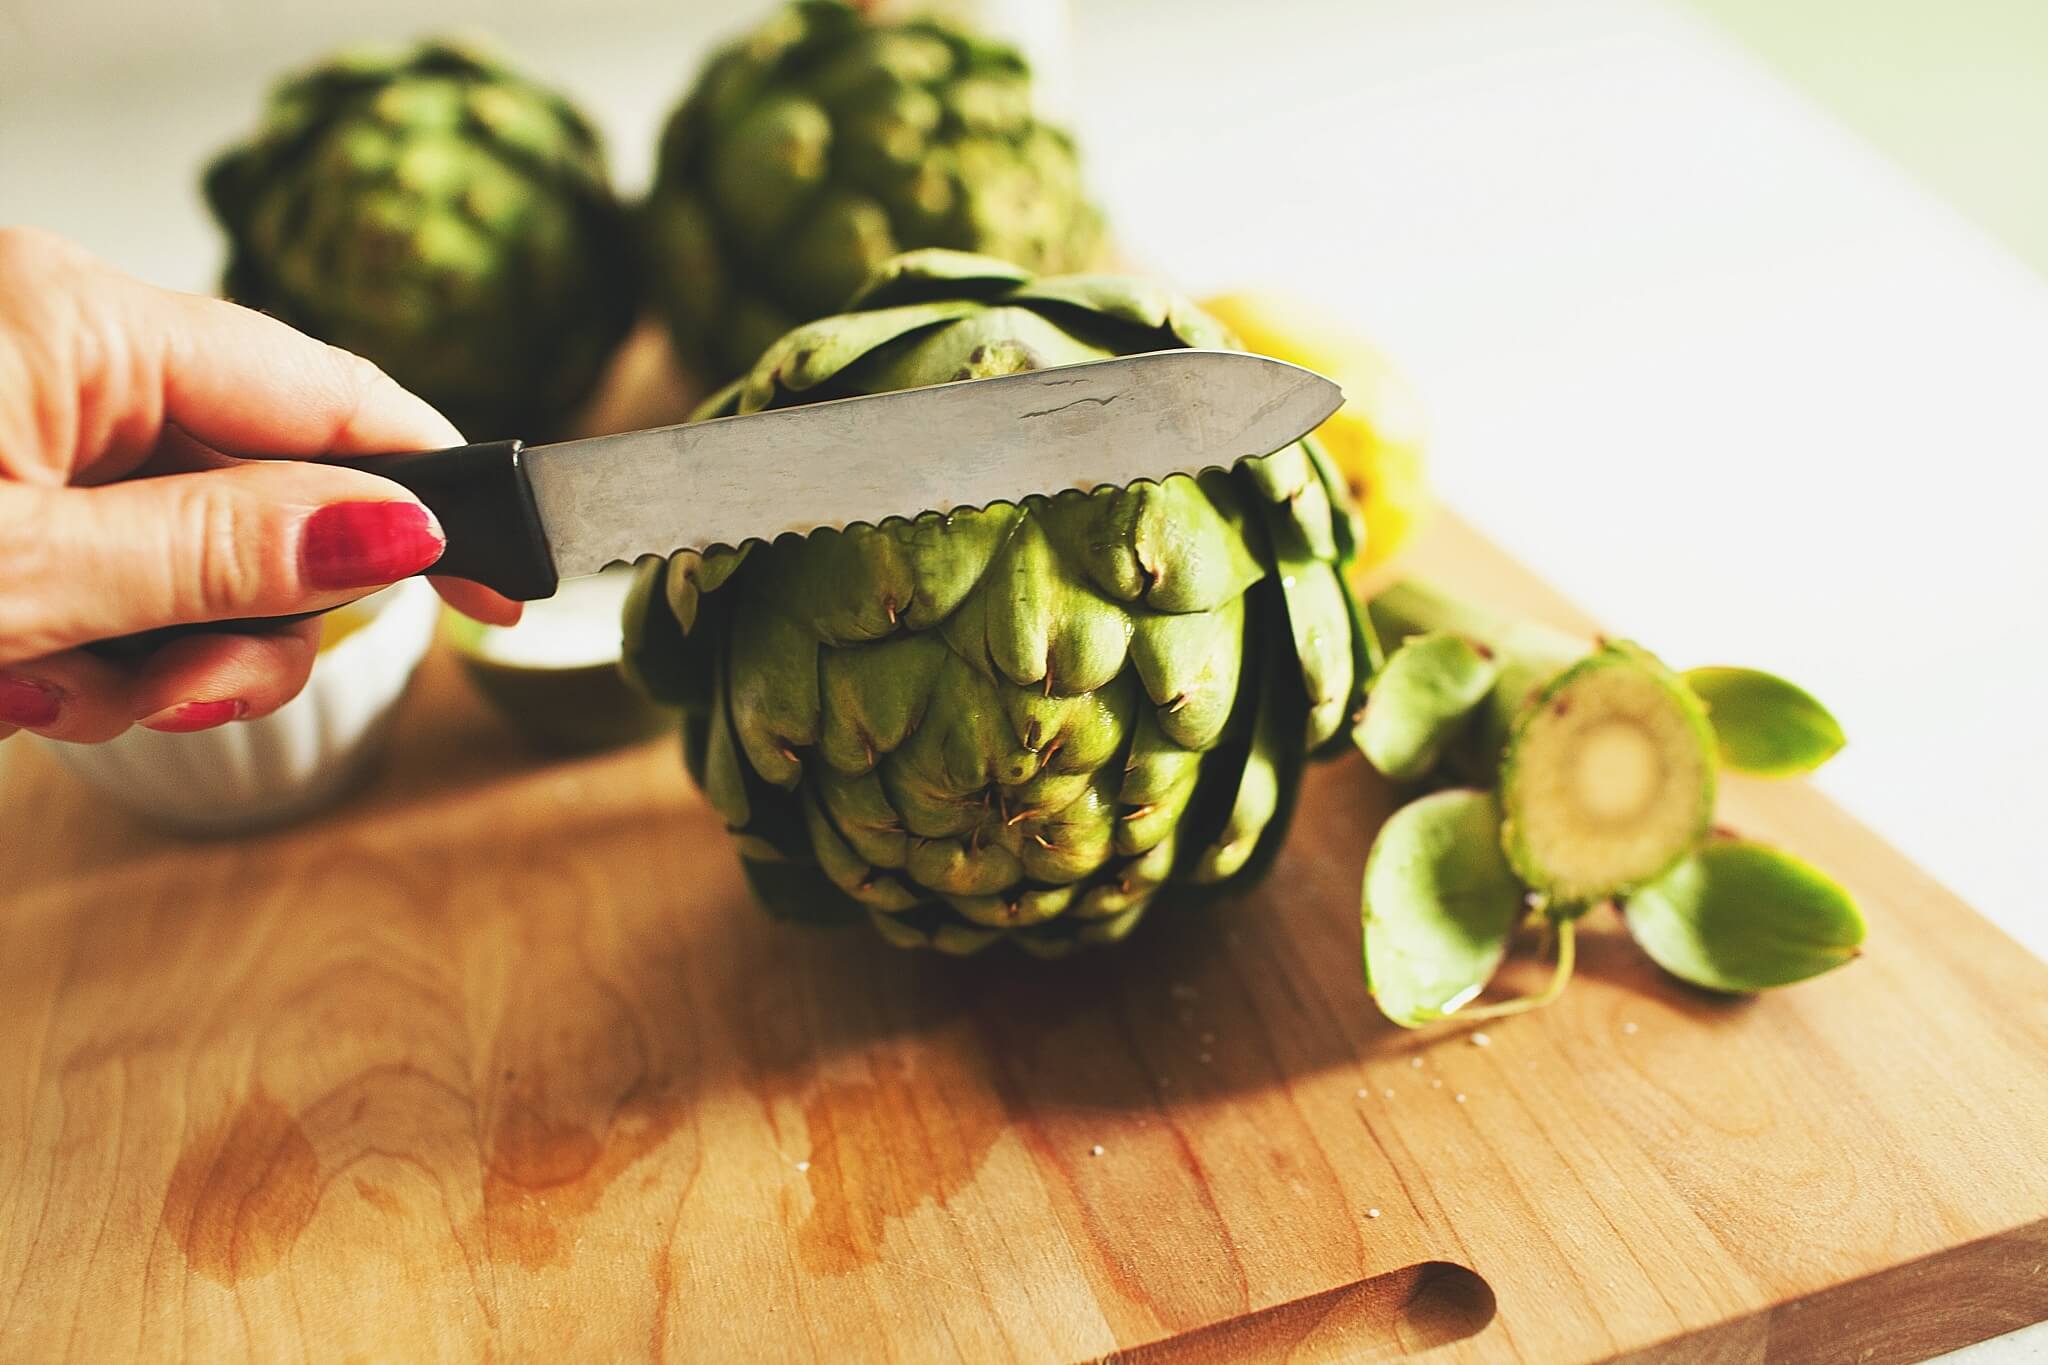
{"type": "Point", "coordinates": [1440, 904]}
{"type": "Point", "coordinates": [1764, 724]}
{"type": "Point", "coordinates": [1429, 691]}
{"type": "Point", "coordinates": [1742, 917]}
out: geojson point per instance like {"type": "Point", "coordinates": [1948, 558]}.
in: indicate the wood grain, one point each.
{"type": "Point", "coordinates": [499, 1062]}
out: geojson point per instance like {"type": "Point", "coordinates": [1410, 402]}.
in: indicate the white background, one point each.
{"type": "Point", "coordinates": [1690, 350]}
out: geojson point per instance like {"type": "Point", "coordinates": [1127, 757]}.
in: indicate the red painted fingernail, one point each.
{"type": "Point", "coordinates": [186, 717]}
{"type": "Point", "coordinates": [362, 544]}
{"type": "Point", "coordinates": [28, 704]}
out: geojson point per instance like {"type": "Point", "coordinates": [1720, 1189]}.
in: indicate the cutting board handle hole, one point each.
{"type": "Point", "coordinates": [1382, 1317]}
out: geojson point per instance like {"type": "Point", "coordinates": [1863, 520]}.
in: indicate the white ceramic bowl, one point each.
{"type": "Point", "coordinates": [300, 758]}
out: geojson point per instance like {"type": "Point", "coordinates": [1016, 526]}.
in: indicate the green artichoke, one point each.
{"type": "Point", "coordinates": [1020, 721]}
{"type": "Point", "coordinates": [443, 216]}
{"type": "Point", "coordinates": [823, 143]}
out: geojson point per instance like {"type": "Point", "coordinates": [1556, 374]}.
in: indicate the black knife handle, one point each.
{"type": "Point", "coordinates": [479, 494]}
{"type": "Point", "coordinates": [482, 499]}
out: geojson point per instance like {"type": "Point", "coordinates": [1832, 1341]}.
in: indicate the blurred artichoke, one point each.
{"type": "Point", "coordinates": [823, 143]}
{"type": "Point", "coordinates": [445, 217]}
{"type": "Point", "coordinates": [1020, 721]}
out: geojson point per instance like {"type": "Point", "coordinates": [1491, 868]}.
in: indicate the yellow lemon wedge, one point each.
{"type": "Point", "coordinates": [1377, 438]}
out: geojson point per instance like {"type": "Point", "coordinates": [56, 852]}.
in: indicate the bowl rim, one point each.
{"type": "Point", "coordinates": [395, 612]}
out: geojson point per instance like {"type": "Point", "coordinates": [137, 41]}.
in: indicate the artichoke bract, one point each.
{"type": "Point", "coordinates": [1023, 721]}
{"type": "Point", "coordinates": [445, 217]}
{"type": "Point", "coordinates": [823, 143]}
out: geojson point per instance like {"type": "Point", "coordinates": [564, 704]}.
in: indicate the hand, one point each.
{"type": "Point", "coordinates": [122, 507]}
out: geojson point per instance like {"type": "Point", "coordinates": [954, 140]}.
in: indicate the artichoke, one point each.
{"type": "Point", "coordinates": [443, 216]}
{"type": "Point", "coordinates": [823, 143]}
{"type": "Point", "coordinates": [1022, 721]}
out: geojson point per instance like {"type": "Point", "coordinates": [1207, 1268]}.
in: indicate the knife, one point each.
{"type": "Point", "coordinates": [520, 518]}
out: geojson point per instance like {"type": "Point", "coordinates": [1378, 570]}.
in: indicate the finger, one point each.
{"type": "Point", "coordinates": [70, 696]}
{"type": "Point", "coordinates": [478, 602]}
{"type": "Point", "coordinates": [105, 362]}
{"type": "Point", "coordinates": [248, 384]}
{"type": "Point", "coordinates": [206, 680]}
{"type": "Point", "coordinates": [261, 538]}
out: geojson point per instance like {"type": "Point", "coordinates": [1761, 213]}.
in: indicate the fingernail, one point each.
{"type": "Point", "coordinates": [186, 717]}
{"type": "Point", "coordinates": [30, 705]}
{"type": "Point", "coordinates": [362, 544]}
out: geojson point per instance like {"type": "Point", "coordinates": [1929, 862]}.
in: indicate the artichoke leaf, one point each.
{"type": "Point", "coordinates": [772, 689]}
{"type": "Point", "coordinates": [816, 354]}
{"type": "Point", "coordinates": [1045, 622]}
{"type": "Point", "coordinates": [1190, 665]}
{"type": "Point", "coordinates": [951, 277]}
{"type": "Point", "coordinates": [874, 695]}
{"type": "Point", "coordinates": [860, 811]}
{"type": "Point", "coordinates": [1071, 842]}
{"type": "Point", "coordinates": [1739, 917]}
{"type": "Point", "coordinates": [848, 870]}
{"type": "Point", "coordinates": [1764, 724]}
{"type": "Point", "coordinates": [1429, 691]}
{"type": "Point", "coordinates": [1259, 778]}
{"type": "Point", "coordinates": [1319, 622]}
{"type": "Point", "coordinates": [1440, 903]}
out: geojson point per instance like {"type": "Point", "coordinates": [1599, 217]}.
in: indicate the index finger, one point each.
{"type": "Point", "coordinates": [247, 384]}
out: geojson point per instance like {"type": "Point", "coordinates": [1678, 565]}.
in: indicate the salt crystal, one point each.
{"type": "Point", "coordinates": [1390, 1094]}
{"type": "Point", "coordinates": [1361, 1092]}
{"type": "Point", "coordinates": [1206, 1059]}
{"type": "Point", "coordinates": [1415, 1062]}
{"type": "Point", "coordinates": [1208, 1037]}
{"type": "Point", "coordinates": [1629, 1027]}
{"type": "Point", "coordinates": [802, 1166]}
{"type": "Point", "coordinates": [1096, 1150]}
{"type": "Point", "coordinates": [1372, 1213]}
{"type": "Point", "coordinates": [1436, 1085]}
{"type": "Point", "coordinates": [1459, 1098]}
{"type": "Point", "coordinates": [1481, 1040]}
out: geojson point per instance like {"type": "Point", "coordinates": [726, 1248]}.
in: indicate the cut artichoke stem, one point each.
{"type": "Point", "coordinates": [1567, 957]}
{"type": "Point", "coordinates": [1607, 778]}
{"type": "Point", "coordinates": [1604, 759]}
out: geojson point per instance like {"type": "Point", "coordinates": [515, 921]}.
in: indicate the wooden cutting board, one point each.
{"type": "Point", "coordinates": [498, 1061]}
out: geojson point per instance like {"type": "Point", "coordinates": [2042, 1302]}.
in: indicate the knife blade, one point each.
{"type": "Point", "coordinates": [611, 499]}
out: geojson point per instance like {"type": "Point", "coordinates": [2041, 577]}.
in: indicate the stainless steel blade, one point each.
{"type": "Point", "coordinates": [963, 445]}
